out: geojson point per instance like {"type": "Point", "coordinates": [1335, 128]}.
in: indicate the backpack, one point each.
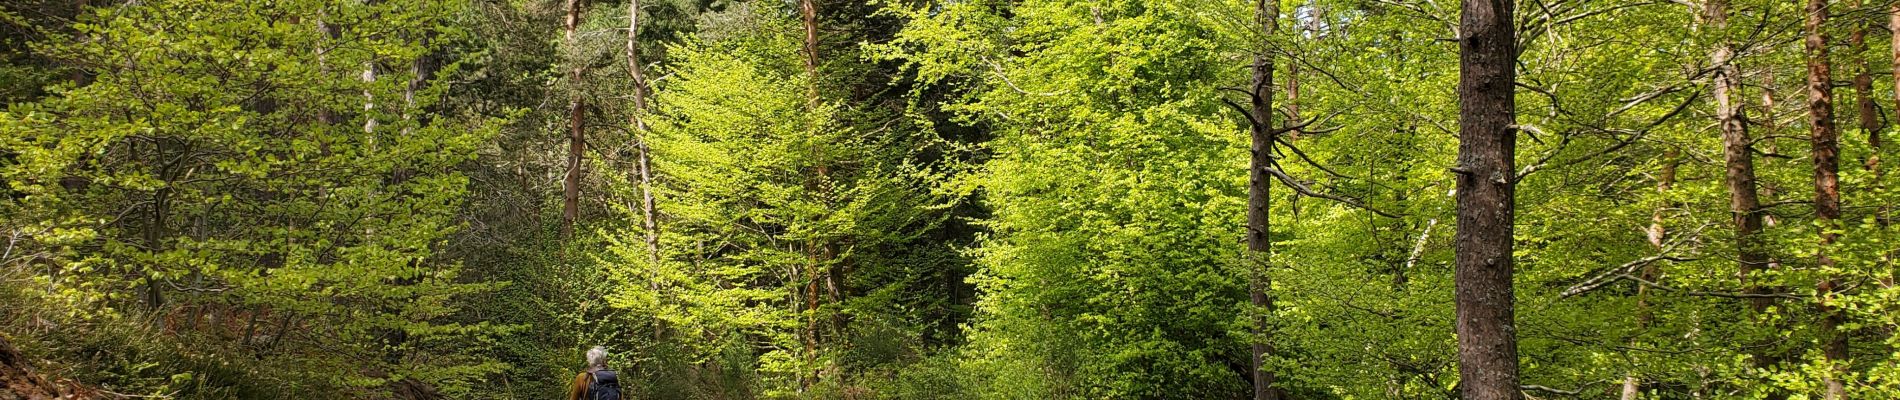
{"type": "Point", "coordinates": [604, 385]}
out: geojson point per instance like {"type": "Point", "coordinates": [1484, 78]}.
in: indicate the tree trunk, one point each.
{"type": "Point", "coordinates": [571, 184]}
{"type": "Point", "coordinates": [1873, 161]}
{"type": "Point", "coordinates": [1259, 185]}
{"type": "Point", "coordinates": [1657, 233]}
{"type": "Point", "coordinates": [79, 76]}
{"type": "Point", "coordinates": [154, 231]}
{"type": "Point", "coordinates": [649, 213]}
{"type": "Point", "coordinates": [329, 33]}
{"type": "Point", "coordinates": [1827, 197]}
{"type": "Point", "coordinates": [643, 169]}
{"type": "Point", "coordinates": [1738, 154]}
{"type": "Point", "coordinates": [818, 249]}
{"type": "Point", "coordinates": [421, 71]}
{"type": "Point", "coordinates": [1864, 86]}
{"type": "Point", "coordinates": [1486, 174]}
{"type": "Point", "coordinates": [369, 98]}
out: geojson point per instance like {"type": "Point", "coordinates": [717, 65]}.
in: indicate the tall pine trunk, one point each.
{"type": "Point", "coordinates": [1825, 148]}
{"type": "Point", "coordinates": [1486, 174]}
{"type": "Point", "coordinates": [1259, 185]}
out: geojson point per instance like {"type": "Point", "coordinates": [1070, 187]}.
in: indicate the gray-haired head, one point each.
{"type": "Point", "coordinates": [597, 357]}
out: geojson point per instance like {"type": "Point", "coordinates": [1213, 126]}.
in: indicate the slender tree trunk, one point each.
{"type": "Point", "coordinates": [1827, 197]}
{"type": "Point", "coordinates": [649, 213]}
{"type": "Point", "coordinates": [643, 168]}
{"type": "Point", "coordinates": [1309, 29]}
{"type": "Point", "coordinates": [571, 184]}
{"type": "Point", "coordinates": [1259, 192]}
{"type": "Point", "coordinates": [369, 99]}
{"type": "Point", "coordinates": [1873, 161]}
{"type": "Point", "coordinates": [155, 225]}
{"type": "Point", "coordinates": [820, 250]}
{"type": "Point", "coordinates": [79, 75]}
{"type": "Point", "coordinates": [1292, 84]}
{"type": "Point", "coordinates": [1657, 233]}
{"type": "Point", "coordinates": [329, 33]}
{"type": "Point", "coordinates": [1486, 173]}
{"type": "Point", "coordinates": [421, 71]}
{"type": "Point", "coordinates": [369, 96]}
{"type": "Point", "coordinates": [1869, 121]}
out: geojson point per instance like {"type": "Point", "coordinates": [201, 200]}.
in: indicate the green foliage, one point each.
{"type": "Point", "coordinates": [768, 199]}
{"type": "Point", "coordinates": [1115, 182]}
{"type": "Point", "coordinates": [965, 199]}
{"type": "Point", "coordinates": [217, 162]}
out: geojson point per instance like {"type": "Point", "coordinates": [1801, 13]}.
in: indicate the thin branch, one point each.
{"type": "Point", "coordinates": [997, 69]}
{"type": "Point", "coordinates": [1309, 160]}
{"type": "Point", "coordinates": [1613, 274]}
{"type": "Point", "coordinates": [1622, 271]}
{"type": "Point", "coordinates": [1309, 192]}
{"type": "Point", "coordinates": [1243, 111]}
{"type": "Point", "coordinates": [1542, 388]}
{"type": "Point", "coordinates": [1635, 136]}
{"type": "Point", "coordinates": [1731, 295]}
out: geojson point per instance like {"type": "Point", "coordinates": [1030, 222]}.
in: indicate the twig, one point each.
{"type": "Point", "coordinates": [998, 70]}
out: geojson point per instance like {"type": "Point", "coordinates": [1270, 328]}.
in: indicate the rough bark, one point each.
{"type": "Point", "coordinates": [1487, 342]}
{"type": "Point", "coordinates": [1259, 192]}
{"type": "Point", "coordinates": [1738, 153]}
{"type": "Point", "coordinates": [571, 183]}
{"type": "Point", "coordinates": [1825, 149]}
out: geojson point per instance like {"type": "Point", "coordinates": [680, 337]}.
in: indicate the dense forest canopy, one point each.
{"type": "Point", "coordinates": [937, 199]}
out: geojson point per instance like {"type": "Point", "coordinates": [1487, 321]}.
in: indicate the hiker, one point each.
{"type": "Point", "coordinates": [596, 382]}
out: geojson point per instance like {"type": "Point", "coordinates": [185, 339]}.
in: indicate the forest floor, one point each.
{"type": "Point", "coordinates": [18, 380]}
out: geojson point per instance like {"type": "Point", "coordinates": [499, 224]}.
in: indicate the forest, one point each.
{"type": "Point", "coordinates": [950, 199]}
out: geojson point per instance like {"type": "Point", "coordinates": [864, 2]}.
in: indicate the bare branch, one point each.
{"type": "Point", "coordinates": [1309, 192]}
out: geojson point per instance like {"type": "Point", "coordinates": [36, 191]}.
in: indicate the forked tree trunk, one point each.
{"type": "Point", "coordinates": [1486, 174]}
